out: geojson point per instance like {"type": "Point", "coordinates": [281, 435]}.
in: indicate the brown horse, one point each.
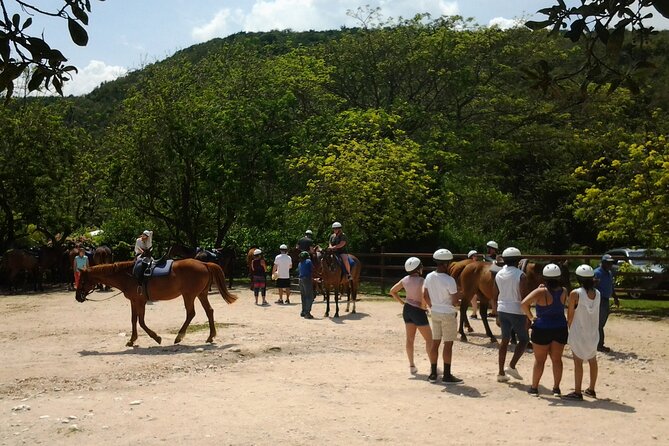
{"type": "Point", "coordinates": [188, 278]}
{"type": "Point", "coordinates": [102, 256]}
{"type": "Point", "coordinates": [223, 257]}
{"type": "Point", "coordinates": [334, 278]}
{"type": "Point", "coordinates": [477, 278]}
{"type": "Point", "coordinates": [19, 261]}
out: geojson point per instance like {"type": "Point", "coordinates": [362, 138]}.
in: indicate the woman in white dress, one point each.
{"type": "Point", "coordinates": [583, 321]}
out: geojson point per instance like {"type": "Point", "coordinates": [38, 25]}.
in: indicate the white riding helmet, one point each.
{"type": "Point", "coordinates": [551, 271]}
{"type": "Point", "coordinates": [585, 271]}
{"type": "Point", "coordinates": [471, 253]}
{"type": "Point", "coordinates": [442, 255]}
{"type": "Point", "coordinates": [308, 232]}
{"type": "Point", "coordinates": [492, 244]}
{"type": "Point", "coordinates": [412, 264]}
{"type": "Point", "coordinates": [511, 252]}
{"type": "Point", "coordinates": [257, 252]}
{"type": "Point", "coordinates": [336, 225]}
{"type": "Point", "coordinates": [283, 247]}
{"type": "Point", "coordinates": [147, 233]}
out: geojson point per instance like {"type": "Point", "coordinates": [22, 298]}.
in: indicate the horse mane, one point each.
{"type": "Point", "coordinates": [111, 268]}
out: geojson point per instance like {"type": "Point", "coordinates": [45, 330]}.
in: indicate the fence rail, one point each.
{"type": "Point", "coordinates": [385, 268]}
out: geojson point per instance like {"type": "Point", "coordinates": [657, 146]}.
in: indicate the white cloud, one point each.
{"type": "Point", "coordinates": [301, 15]}
{"type": "Point", "coordinates": [91, 76]}
{"type": "Point", "coordinates": [503, 23]}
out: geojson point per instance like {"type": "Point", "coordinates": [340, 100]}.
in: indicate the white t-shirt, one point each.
{"type": "Point", "coordinates": [141, 246]}
{"type": "Point", "coordinates": [441, 287]}
{"type": "Point", "coordinates": [508, 284]}
{"type": "Point", "coordinates": [283, 264]}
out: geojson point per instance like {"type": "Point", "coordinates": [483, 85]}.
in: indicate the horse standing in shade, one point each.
{"type": "Point", "coordinates": [188, 278]}
{"type": "Point", "coordinates": [334, 278]}
{"type": "Point", "coordinates": [477, 278]}
{"type": "Point", "coordinates": [17, 261]}
{"type": "Point", "coordinates": [102, 256]}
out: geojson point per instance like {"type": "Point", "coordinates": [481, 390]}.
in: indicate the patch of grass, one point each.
{"type": "Point", "coordinates": [651, 309]}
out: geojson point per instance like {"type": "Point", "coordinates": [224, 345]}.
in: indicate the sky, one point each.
{"type": "Point", "coordinates": [125, 35]}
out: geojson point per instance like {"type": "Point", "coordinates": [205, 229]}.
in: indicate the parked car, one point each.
{"type": "Point", "coordinates": [634, 261]}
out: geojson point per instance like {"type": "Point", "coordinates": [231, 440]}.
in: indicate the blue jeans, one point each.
{"type": "Point", "coordinates": [604, 309]}
{"type": "Point", "coordinates": [307, 294]}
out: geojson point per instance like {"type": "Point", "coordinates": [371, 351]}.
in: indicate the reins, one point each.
{"type": "Point", "coordinates": [102, 300]}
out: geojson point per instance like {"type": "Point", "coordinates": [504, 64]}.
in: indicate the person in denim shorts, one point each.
{"type": "Point", "coordinates": [510, 289]}
{"type": "Point", "coordinates": [413, 311]}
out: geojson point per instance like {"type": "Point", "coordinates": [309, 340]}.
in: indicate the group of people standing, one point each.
{"type": "Point", "coordinates": [283, 263]}
{"type": "Point", "coordinates": [581, 327]}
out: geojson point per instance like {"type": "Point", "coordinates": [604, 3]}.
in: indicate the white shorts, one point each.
{"type": "Point", "coordinates": [444, 326]}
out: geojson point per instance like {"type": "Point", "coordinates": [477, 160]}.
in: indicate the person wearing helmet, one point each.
{"type": "Point", "coordinates": [143, 243]}
{"type": "Point", "coordinates": [339, 244]}
{"type": "Point", "coordinates": [583, 321]}
{"type": "Point", "coordinates": [281, 270]}
{"type": "Point", "coordinates": [604, 275]}
{"type": "Point", "coordinates": [491, 251]}
{"type": "Point", "coordinates": [510, 288]}
{"type": "Point", "coordinates": [413, 311]}
{"type": "Point", "coordinates": [306, 270]}
{"type": "Point", "coordinates": [306, 243]}
{"type": "Point", "coordinates": [259, 276]}
{"type": "Point", "coordinates": [442, 296]}
{"type": "Point", "coordinates": [549, 327]}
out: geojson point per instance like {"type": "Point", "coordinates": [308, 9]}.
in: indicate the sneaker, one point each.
{"type": "Point", "coordinates": [512, 372]}
{"type": "Point", "coordinates": [308, 316]}
{"type": "Point", "coordinates": [574, 396]}
{"type": "Point", "coordinates": [450, 379]}
{"type": "Point", "coordinates": [533, 391]}
{"type": "Point", "coordinates": [279, 301]}
{"type": "Point", "coordinates": [556, 391]}
{"type": "Point", "coordinates": [590, 393]}
{"type": "Point", "coordinates": [473, 316]}
{"type": "Point", "coordinates": [413, 370]}
{"type": "Point", "coordinates": [502, 378]}
{"type": "Point", "coordinates": [432, 378]}
{"type": "Point", "coordinates": [287, 301]}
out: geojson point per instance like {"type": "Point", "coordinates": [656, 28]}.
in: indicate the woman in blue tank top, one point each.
{"type": "Point", "coordinates": [549, 327]}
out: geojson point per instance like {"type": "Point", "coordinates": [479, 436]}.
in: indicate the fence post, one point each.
{"type": "Point", "coordinates": [383, 271]}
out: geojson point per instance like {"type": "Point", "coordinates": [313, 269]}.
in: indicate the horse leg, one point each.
{"type": "Point", "coordinates": [189, 303]}
{"type": "Point", "coordinates": [209, 310]}
{"type": "Point", "coordinates": [484, 317]}
{"type": "Point", "coordinates": [463, 318]}
{"type": "Point", "coordinates": [326, 293]}
{"type": "Point", "coordinates": [141, 309]}
{"type": "Point", "coordinates": [336, 293]}
{"type": "Point", "coordinates": [133, 336]}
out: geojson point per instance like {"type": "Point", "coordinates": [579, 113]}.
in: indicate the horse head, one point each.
{"type": "Point", "coordinates": [86, 287]}
{"type": "Point", "coordinates": [330, 261]}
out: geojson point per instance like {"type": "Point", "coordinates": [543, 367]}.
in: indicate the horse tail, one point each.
{"type": "Point", "coordinates": [216, 274]}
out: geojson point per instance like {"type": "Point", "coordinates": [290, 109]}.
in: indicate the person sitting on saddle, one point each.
{"type": "Point", "coordinates": [143, 243]}
{"type": "Point", "coordinates": [492, 248]}
{"type": "Point", "coordinates": [339, 244]}
{"type": "Point", "coordinates": [306, 243]}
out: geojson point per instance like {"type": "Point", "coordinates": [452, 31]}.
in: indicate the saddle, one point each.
{"type": "Point", "coordinates": [146, 268]}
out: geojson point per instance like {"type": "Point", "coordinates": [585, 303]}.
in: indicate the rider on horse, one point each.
{"type": "Point", "coordinates": [306, 243]}
{"type": "Point", "coordinates": [492, 248]}
{"type": "Point", "coordinates": [143, 243]}
{"type": "Point", "coordinates": [339, 244]}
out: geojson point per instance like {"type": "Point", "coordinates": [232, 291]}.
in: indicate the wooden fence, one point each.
{"type": "Point", "coordinates": [386, 268]}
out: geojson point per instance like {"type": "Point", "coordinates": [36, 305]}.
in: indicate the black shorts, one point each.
{"type": "Point", "coordinates": [283, 283]}
{"type": "Point", "coordinates": [414, 315]}
{"type": "Point", "coordinates": [544, 336]}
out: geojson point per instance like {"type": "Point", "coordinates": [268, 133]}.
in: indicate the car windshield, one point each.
{"type": "Point", "coordinates": [635, 255]}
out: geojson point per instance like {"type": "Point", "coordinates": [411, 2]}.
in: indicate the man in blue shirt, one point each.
{"type": "Point", "coordinates": [306, 270]}
{"type": "Point", "coordinates": [604, 283]}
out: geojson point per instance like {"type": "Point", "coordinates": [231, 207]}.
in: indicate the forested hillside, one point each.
{"type": "Point", "coordinates": [416, 134]}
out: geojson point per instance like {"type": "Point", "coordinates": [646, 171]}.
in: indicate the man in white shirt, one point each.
{"type": "Point", "coordinates": [440, 292]}
{"type": "Point", "coordinates": [510, 289]}
{"type": "Point", "coordinates": [144, 242]}
{"type": "Point", "coordinates": [281, 270]}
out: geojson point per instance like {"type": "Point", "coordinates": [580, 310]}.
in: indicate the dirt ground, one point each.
{"type": "Point", "coordinates": [275, 378]}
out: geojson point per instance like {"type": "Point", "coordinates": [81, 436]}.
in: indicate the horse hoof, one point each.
{"type": "Point", "coordinates": [210, 340]}
{"type": "Point", "coordinates": [353, 312]}
{"type": "Point", "coordinates": [463, 338]}
{"type": "Point", "coordinates": [176, 341]}
{"type": "Point", "coordinates": [129, 344]}
{"type": "Point", "coordinates": [159, 339]}
{"type": "Point", "coordinates": [470, 330]}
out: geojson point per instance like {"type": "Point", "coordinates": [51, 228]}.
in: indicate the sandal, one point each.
{"type": "Point", "coordinates": [574, 396]}
{"type": "Point", "coordinates": [590, 393]}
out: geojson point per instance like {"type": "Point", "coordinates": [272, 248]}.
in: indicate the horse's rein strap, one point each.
{"type": "Point", "coordinates": [102, 300]}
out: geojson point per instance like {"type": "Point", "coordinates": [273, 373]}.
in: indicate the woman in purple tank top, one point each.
{"type": "Point", "coordinates": [549, 327]}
